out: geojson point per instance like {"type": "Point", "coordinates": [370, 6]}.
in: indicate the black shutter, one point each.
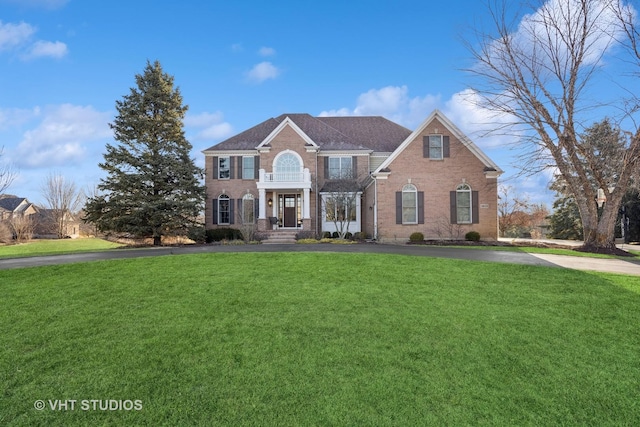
{"type": "Point", "coordinates": [475, 208]}
{"type": "Point", "coordinates": [256, 165]}
{"type": "Point", "coordinates": [240, 167]}
{"type": "Point", "coordinates": [231, 213]}
{"type": "Point", "coordinates": [420, 207]}
{"type": "Point", "coordinates": [445, 147]}
{"type": "Point", "coordinates": [453, 206]}
{"type": "Point", "coordinates": [256, 208]}
{"type": "Point", "coordinates": [425, 146]}
{"type": "Point", "coordinates": [214, 211]}
{"type": "Point", "coordinates": [326, 168]}
{"type": "Point", "coordinates": [398, 207]}
{"type": "Point", "coordinates": [214, 170]}
{"type": "Point", "coordinates": [231, 168]}
{"type": "Point", "coordinates": [354, 167]}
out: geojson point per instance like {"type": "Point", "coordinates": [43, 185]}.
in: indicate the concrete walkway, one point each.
{"type": "Point", "coordinates": [630, 267]}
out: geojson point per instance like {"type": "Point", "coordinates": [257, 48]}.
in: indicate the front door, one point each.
{"type": "Point", "coordinates": [290, 211]}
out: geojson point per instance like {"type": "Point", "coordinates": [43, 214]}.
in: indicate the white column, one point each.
{"type": "Point", "coordinates": [262, 195]}
{"type": "Point", "coordinates": [306, 204]}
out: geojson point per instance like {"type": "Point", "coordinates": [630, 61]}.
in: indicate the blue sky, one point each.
{"type": "Point", "coordinates": [64, 63]}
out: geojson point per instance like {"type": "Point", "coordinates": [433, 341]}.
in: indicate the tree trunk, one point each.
{"type": "Point", "coordinates": [157, 240]}
{"type": "Point", "coordinates": [599, 232]}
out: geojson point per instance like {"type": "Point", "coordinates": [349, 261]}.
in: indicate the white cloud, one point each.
{"type": "Point", "coordinates": [61, 137]}
{"type": "Point", "coordinates": [266, 51]}
{"type": "Point", "coordinates": [14, 117]}
{"type": "Point", "coordinates": [263, 71]}
{"type": "Point", "coordinates": [392, 102]}
{"type": "Point", "coordinates": [44, 48]}
{"type": "Point", "coordinates": [212, 126]}
{"type": "Point", "coordinates": [14, 35]}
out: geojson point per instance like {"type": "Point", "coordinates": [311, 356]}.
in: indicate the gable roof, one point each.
{"type": "Point", "coordinates": [373, 133]}
{"type": "Point", "coordinates": [11, 203]}
{"type": "Point", "coordinates": [489, 164]}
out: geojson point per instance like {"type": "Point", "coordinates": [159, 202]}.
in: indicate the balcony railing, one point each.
{"type": "Point", "coordinates": [300, 179]}
{"type": "Point", "coordinates": [284, 176]}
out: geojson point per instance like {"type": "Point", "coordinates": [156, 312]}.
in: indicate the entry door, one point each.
{"type": "Point", "coordinates": [290, 210]}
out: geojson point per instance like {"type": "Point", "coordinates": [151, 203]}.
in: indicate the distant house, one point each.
{"type": "Point", "coordinates": [43, 220]}
{"type": "Point", "coordinates": [286, 174]}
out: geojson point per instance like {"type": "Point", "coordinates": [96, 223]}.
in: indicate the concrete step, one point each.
{"type": "Point", "coordinates": [281, 237]}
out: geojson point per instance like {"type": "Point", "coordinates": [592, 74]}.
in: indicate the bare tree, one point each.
{"type": "Point", "coordinates": [23, 227]}
{"type": "Point", "coordinates": [539, 77]}
{"type": "Point", "coordinates": [7, 175]}
{"type": "Point", "coordinates": [63, 200]}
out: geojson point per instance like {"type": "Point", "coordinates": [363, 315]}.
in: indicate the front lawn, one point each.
{"type": "Point", "coordinates": [318, 339]}
{"type": "Point", "coordinates": [55, 246]}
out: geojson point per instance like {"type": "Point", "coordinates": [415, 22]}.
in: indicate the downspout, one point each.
{"type": "Point", "coordinates": [375, 209]}
{"type": "Point", "coordinates": [317, 199]}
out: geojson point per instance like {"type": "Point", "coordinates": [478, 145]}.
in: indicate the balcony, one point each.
{"type": "Point", "coordinates": [284, 180]}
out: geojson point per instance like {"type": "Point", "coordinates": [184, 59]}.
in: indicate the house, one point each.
{"type": "Point", "coordinates": [13, 207]}
{"type": "Point", "coordinates": [40, 222]}
{"type": "Point", "coordinates": [299, 172]}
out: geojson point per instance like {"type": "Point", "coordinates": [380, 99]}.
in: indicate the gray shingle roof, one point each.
{"type": "Point", "coordinates": [329, 133]}
{"type": "Point", "coordinates": [11, 203]}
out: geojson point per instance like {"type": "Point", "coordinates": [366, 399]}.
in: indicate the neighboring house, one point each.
{"type": "Point", "coordinates": [12, 207]}
{"type": "Point", "coordinates": [292, 172]}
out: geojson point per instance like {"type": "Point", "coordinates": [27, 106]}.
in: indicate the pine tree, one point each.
{"type": "Point", "coordinates": [152, 188]}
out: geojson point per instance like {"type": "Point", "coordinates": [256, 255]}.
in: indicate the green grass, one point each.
{"type": "Point", "coordinates": [319, 339]}
{"type": "Point", "coordinates": [55, 246]}
{"type": "Point", "coordinates": [552, 251]}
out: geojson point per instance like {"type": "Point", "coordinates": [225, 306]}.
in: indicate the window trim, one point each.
{"type": "Point", "coordinates": [439, 147]}
{"type": "Point", "coordinates": [344, 170]}
{"type": "Point", "coordinates": [246, 198]}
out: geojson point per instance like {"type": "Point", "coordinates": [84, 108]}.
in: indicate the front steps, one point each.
{"type": "Point", "coordinates": [280, 237]}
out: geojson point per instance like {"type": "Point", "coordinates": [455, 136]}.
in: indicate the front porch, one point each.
{"type": "Point", "coordinates": [284, 201]}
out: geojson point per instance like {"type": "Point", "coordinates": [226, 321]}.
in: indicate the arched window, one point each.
{"type": "Point", "coordinates": [224, 209]}
{"type": "Point", "coordinates": [288, 167]}
{"type": "Point", "coordinates": [409, 204]}
{"type": "Point", "coordinates": [463, 204]}
{"type": "Point", "coordinates": [248, 209]}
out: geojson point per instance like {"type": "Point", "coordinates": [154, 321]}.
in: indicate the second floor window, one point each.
{"type": "Point", "coordinates": [248, 167]}
{"type": "Point", "coordinates": [224, 168]}
{"type": "Point", "coordinates": [340, 168]}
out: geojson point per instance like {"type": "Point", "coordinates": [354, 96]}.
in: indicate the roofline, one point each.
{"type": "Point", "coordinates": [278, 129]}
{"type": "Point", "coordinates": [454, 130]}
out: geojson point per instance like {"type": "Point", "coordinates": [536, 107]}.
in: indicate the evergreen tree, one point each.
{"type": "Point", "coordinates": [565, 221]}
{"type": "Point", "coordinates": [152, 188]}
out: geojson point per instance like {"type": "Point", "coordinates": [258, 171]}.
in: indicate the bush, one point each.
{"type": "Point", "coordinates": [348, 235]}
{"type": "Point", "coordinates": [472, 236]}
{"type": "Point", "coordinates": [326, 235]}
{"type": "Point", "coordinates": [335, 235]}
{"type": "Point", "coordinates": [197, 234]}
{"type": "Point", "coordinates": [416, 237]}
{"type": "Point", "coordinates": [360, 235]}
{"type": "Point", "coordinates": [305, 235]}
{"type": "Point", "coordinates": [6, 234]}
{"type": "Point", "coordinates": [223, 233]}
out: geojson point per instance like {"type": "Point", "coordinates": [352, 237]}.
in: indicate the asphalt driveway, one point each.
{"type": "Point", "coordinates": [631, 267]}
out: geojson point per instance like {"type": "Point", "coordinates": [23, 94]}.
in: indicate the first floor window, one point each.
{"type": "Point", "coordinates": [409, 204]}
{"type": "Point", "coordinates": [224, 168]}
{"type": "Point", "coordinates": [340, 208]}
{"type": "Point", "coordinates": [224, 209]}
{"type": "Point", "coordinates": [248, 209]}
{"type": "Point", "coordinates": [463, 204]}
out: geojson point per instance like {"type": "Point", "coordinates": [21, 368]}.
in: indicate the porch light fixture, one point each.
{"type": "Point", "coordinates": [270, 202]}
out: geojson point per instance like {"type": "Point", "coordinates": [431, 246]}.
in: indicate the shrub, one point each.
{"type": "Point", "coordinates": [335, 235]}
{"type": "Point", "coordinates": [197, 234]}
{"type": "Point", "coordinates": [472, 236]}
{"type": "Point", "coordinates": [326, 235]}
{"type": "Point", "coordinates": [223, 233]}
{"type": "Point", "coordinates": [348, 235]}
{"type": "Point", "coordinates": [416, 237]}
{"type": "Point", "coordinates": [360, 235]}
{"type": "Point", "coordinates": [6, 234]}
{"type": "Point", "coordinates": [305, 235]}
